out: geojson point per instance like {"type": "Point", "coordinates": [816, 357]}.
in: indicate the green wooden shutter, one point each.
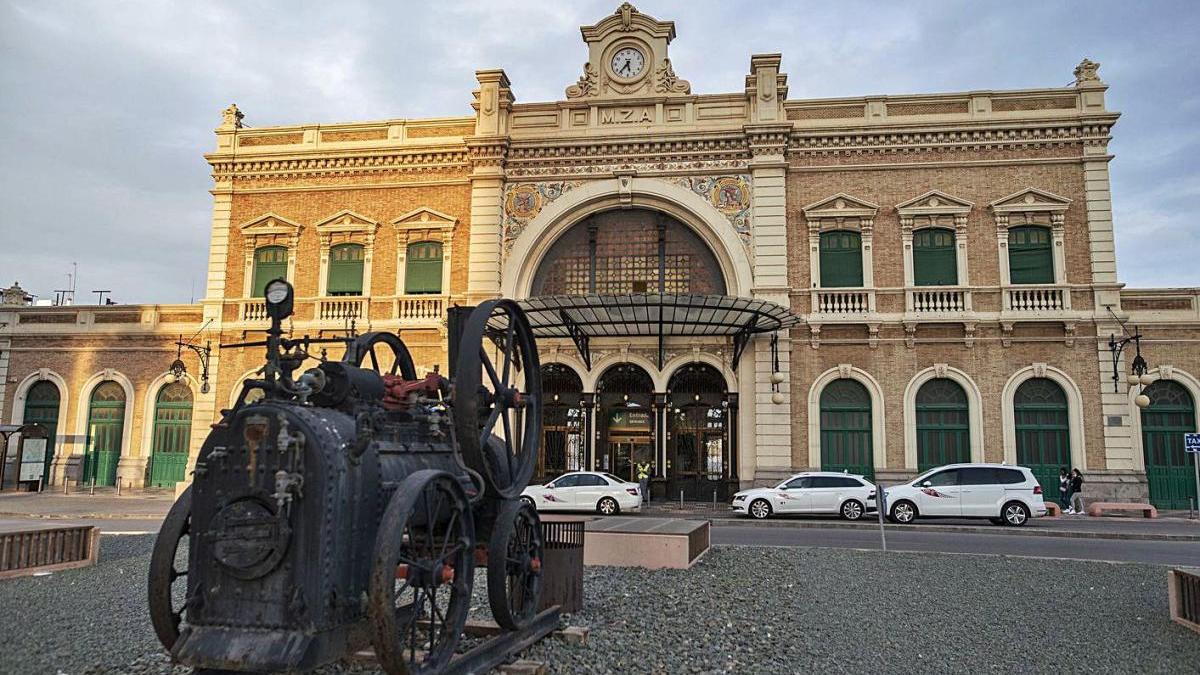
{"type": "Point", "coordinates": [943, 424]}
{"type": "Point", "coordinates": [41, 407]}
{"type": "Point", "coordinates": [105, 432]}
{"type": "Point", "coordinates": [270, 263]}
{"type": "Point", "coordinates": [423, 268]}
{"type": "Point", "coordinates": [172, 435]}
{"type": "Point", "coordinates": [841, 259]}
{"type": "Point", "coordinates": [846, 441]}
{"type": "Point", "coordinates": [1169, 469]}
{"type": "Point", "coordinates": [1030, 256]}
{"type": "Point", "coordinates": [934, 259]}
{"type": "Point", "coordinates": [1043, 430]}
{"type": "Point", "coordinates": [345, 270]}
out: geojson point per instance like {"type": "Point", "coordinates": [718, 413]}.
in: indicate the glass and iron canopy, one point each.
{"type": "Point", "coordinates": [661, 315]}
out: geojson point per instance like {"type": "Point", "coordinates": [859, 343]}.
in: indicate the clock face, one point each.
{"type": "Point", "coordinates": [628, 62]}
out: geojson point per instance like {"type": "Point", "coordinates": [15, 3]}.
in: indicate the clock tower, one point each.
{"type": "Point", "coordinates": [627, 57]}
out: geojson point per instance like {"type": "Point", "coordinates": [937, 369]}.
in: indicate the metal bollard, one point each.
{"type": "Point", "coordinates": [1191, 509]}
{"type": "Point", "coordinates": [92, 491]}
{"type": "Point", "coordinates": [681, 500]}
{"type": "Point", "coordinates": [118, 487]}
{"type": "Point", "coordinates": [714, 500]}
{"type": "Point", "coordinates": [66, 485]}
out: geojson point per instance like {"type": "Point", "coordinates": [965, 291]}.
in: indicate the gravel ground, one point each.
{"type": "Point", "coordinates": [738, 610]}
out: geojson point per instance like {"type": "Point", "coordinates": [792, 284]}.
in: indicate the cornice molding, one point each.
{"type": "Point", "coordinates": [889, 141]}
{"type": "Point", "coordinates": [227, 167]}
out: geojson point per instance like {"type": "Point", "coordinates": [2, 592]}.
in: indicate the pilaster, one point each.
{"type": "Point", "coordinates": [487, 150]}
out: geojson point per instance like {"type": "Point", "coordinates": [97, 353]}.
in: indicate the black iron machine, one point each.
{"type": "Point", "coordinates": [351, 503]}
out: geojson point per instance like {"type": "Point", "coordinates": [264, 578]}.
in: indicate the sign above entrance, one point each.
{"type": "Point", "coordinates": [629, 421]}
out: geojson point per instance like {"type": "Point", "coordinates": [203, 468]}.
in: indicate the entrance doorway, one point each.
{"type": "Point", "coordinates": [627, 421]}
{"type": "Point", "coordinates": [698, 447]}
{"type": "Point", "coordinates": [106, 432]}
{"type": "Point", "coordinates": [1169, 470]}
{"type": "Point", "coordinates": [564, 423]}
{"type": "Point", "coordinates": [1043, 429]}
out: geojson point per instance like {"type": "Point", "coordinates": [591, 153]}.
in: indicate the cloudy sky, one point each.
{"type": "Point", "coordinates": [109, 106]}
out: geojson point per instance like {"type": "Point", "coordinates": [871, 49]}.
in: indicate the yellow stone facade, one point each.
{"type": "Point", "coordinates": [757, 176]}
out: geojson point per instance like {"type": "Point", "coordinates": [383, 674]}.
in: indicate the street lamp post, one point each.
{"type": "Point", "coordinates": [1139, 370]}
{"type": "Point", "coordinates": [179, 368]}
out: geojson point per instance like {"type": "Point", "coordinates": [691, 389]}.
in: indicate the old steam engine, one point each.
{"type": "Point", "coordinates": [352, 503]}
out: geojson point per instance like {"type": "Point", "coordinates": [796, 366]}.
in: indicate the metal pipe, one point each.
{"type": "Point", "coordinates": [118, 486]}
{"type": "Point", "coordinates": [92, 491]}
{"type": "Point", "coordinates": [681, 500]}
{"type": "Point", "coordinates": [714, 500]}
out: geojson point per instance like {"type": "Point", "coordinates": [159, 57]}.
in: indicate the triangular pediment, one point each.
{"type": "Point", "coordinates": [425, 218]}
{"type": "Point", "coordinates": [841, 205]}
{"type": "Point", "coordinates": [934, 202]}
{"type": "Point", "coordinates": [347, 221]}
{"type": "Point", "coordinates": [270, 223]}
{"type": "Point", "coordinates": [1030, 199]}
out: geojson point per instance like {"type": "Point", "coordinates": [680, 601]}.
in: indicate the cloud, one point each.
{"type": "Point", "coordinates": [109, 107]}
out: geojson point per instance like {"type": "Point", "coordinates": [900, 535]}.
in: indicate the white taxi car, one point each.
{"type": "Point", "coordinates": [848, 495]}
{"type": "Point", "coordinates": [1002, 493]}
{"type": "Point", "coordinates": [585, 491]}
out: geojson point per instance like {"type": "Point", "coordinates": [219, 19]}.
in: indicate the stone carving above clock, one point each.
{"type": "Point", "coordinates": [627, 56]}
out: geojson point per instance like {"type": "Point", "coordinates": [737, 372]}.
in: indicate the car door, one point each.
{"type": "Point", "coordinates": [938, 495]}
{"type": "Point", "coordinates": [980, 493]}
{"type": "Point", "coordinates": [823, 495]}
{"type": "Point", "coordinates": [792, 496]}
{"type": "Point", "coordinates": [591, 489]}
{"type": "Point", "coordinates": [560, 495]}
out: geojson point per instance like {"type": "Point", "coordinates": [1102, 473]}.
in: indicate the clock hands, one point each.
{"type": "Point", "coordinates": [625, 68]}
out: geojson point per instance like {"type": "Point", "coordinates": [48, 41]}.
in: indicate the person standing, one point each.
{"type": "Point", "coordinates": [643, 476]}
{"type": "Point", "coordinates": [1064, 484]}
{"type": "Point", "coordinates": [1076, 489]}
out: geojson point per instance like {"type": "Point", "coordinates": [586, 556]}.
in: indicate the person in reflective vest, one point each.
{"type": "Point", "coordinates": [643, 476]}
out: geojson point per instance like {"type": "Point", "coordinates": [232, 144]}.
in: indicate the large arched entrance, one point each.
{"type": "Point", "coordinates": [699, 447]}
{"type": "Point", "coordinates": [1043, 428]}
{"type": "Point", "coordinates": [626, 421]}
{"type": "Point", "coordinates": [1169, 470]}
{"type": "Point", "coordinates": [42, 407]}
{"type": "Point", "coordinates": [564, 422]}
{"type": "Point", "coordinates": [105, 433]}
{"type": "Point", "coordinates": [846, 433]}
{"type": "Point", "coordinates": [943, 424]}
{"type": "Point", "coordinates": [172, 435]}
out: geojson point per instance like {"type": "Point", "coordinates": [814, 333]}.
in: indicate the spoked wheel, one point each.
{"type": "Point", "coordinates": [424, 566]}
{"type": "Point", "coordinates": [514, 572]}
{"type": "Point", "coordinates": [498, 396]}
{"type": "Point", "coordinates": [165, 614]}
{"type": "Point", "coordinates": [382, 352]}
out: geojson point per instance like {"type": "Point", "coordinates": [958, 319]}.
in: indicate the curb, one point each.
{"type": "Point", "coordinates": [997, 530]}
{"type": "Point", "coordinates": [84, 516]}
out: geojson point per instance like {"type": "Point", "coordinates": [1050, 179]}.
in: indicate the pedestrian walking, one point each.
{"type": "Point", "coordinates": [643, 476]}
{"type": "Point", "coordinates": [1064, 485]}
{"type": "Point", "coordinates": [1076, 490]}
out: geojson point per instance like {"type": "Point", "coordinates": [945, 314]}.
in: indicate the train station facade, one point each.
{"type": "Point", "coordinates": [941, 266]}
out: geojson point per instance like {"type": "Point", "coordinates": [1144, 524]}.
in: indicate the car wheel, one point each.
{"type": "Point", "coordinates": [852, 509]}
{"type": "Point", "coordinates": [608, 507]}
{"type": "Point", "coordinates": [759, 509]}
{"type": "Point", "coordinates": [904, 512]}
{"type": "Point", "coordinates": [1015, 514]}
{"type": "Point", "coordinates": [529, 501]}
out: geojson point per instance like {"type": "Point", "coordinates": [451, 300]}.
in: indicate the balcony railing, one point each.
{"type": "Point", "coordinates": [340, 308]}
{"type": "Point", "coordinates": [938, 300]}
{"type": "Point", "coordinates": [254, 309]}
{"type": "Point", "coordinates": [421, 309]}
{"type": "Point", "coordinates": [1037, 299]}
{"type": "Point", "coordinates": [843, 301]}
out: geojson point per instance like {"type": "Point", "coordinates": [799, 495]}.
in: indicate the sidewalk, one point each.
{"type": "Point", "coordinates": [133, 504]}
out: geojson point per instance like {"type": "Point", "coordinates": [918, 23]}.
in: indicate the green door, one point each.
{"type": "Point", "coordinates": [270, 263]}
{"type": "Point", "coordinates": [106, 429]}
{"type": "Point", "coordinates": [172, 435]}
{"type": "Point", "coordinates": [934, 259]}
{"type": "Point", "coordinates": [345, 270]}
{"type": "Point", "coordinates": [41, 407]}
{"type": "Point", "coordinates": [846, 428]}
{"type": "Point", "coordinates": [841, 259]}
{"type": "Point", "coordinates": [1030, 257]}
{"type": "Point", "coordinates": [943, 424]}
{"type": "Point", "coordinates": [1169, 470]}
{"type": "Point", "coordinates": [1043, 430]}
{"type": "Point", "coordinates": [423, 267]}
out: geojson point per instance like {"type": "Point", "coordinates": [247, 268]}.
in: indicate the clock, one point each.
{"type": "Point", "coordinates": [628, 63]}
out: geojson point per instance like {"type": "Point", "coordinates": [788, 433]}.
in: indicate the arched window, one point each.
{"type": "Point", "coordinates": [270, 262]}
{"type": "Point", "coordinates": [41, 407]}
{"type": "Point", "coordinates": [345, 270]}
{"type": "Point", "coordinates": [841, 259]}
{"type": "Point", "coordinates": [172, 435]}
{"type": "Point", "coordinates": [1169, 470]}
{"type": "Point", "coordinates": [943, 424]}
{"type": "Point", "coordinates": [1030, 257]}
{"type": "Point", "coordinates": [934, 259]}
{"type": "Point", "coordinates": [105, 433]}
{"type": "Point", "coordinates": [564, 424]}
{"type": "Point", "coordinates": [423, 267]}
{"type": "Point", "coordinates": [1043, 429]}
{"type": "Point", "coordinates": [846, 428]}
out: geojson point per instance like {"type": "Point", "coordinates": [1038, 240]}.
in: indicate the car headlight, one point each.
{"type": "Point", "coordinates": [739, 498]}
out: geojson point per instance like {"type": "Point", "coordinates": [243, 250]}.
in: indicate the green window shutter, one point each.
{"type": "Point", "coordinates": [345, 270]}
{"type": "Point", "coordinates": [841, 259]}
{"type": "Point", "coordinates": [270, 263]}
{"type": "Point", "coordinates": [423, 268]}
{"type": "Point", "coordinates": [846, 434]}
{"type": "Point", "coordinates": [1030, 257]}
{"type": "Point", "coordinates": [934, 258]}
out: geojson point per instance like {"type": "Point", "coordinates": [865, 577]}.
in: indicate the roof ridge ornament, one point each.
{"type": "Point", "coordinates": [1088, 71]}
{"type": "Point", "coordinates": [626, 12]}
{"type": "Point", "coordinates": [231, 118]}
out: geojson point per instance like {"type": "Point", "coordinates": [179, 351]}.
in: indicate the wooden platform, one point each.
{"type": "Point", "coordinates": [30, 548]}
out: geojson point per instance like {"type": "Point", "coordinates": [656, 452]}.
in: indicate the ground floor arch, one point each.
{"type": "Point", "coordinates": [701, 461]}
{"type": "Point", "coordinates": [626, 422]}
{"type": "Point", "coordinates": [171, 434]}
{"type": "Point", "coordinates": [1170, 471]}
{"type": "Point", "coordinates": [565, 422]}
{"type": "Point", "coordinates": [105, 432]}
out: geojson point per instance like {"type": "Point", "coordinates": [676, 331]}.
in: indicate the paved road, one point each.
{"type": "Point", "coordinates": [1156, 552]}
